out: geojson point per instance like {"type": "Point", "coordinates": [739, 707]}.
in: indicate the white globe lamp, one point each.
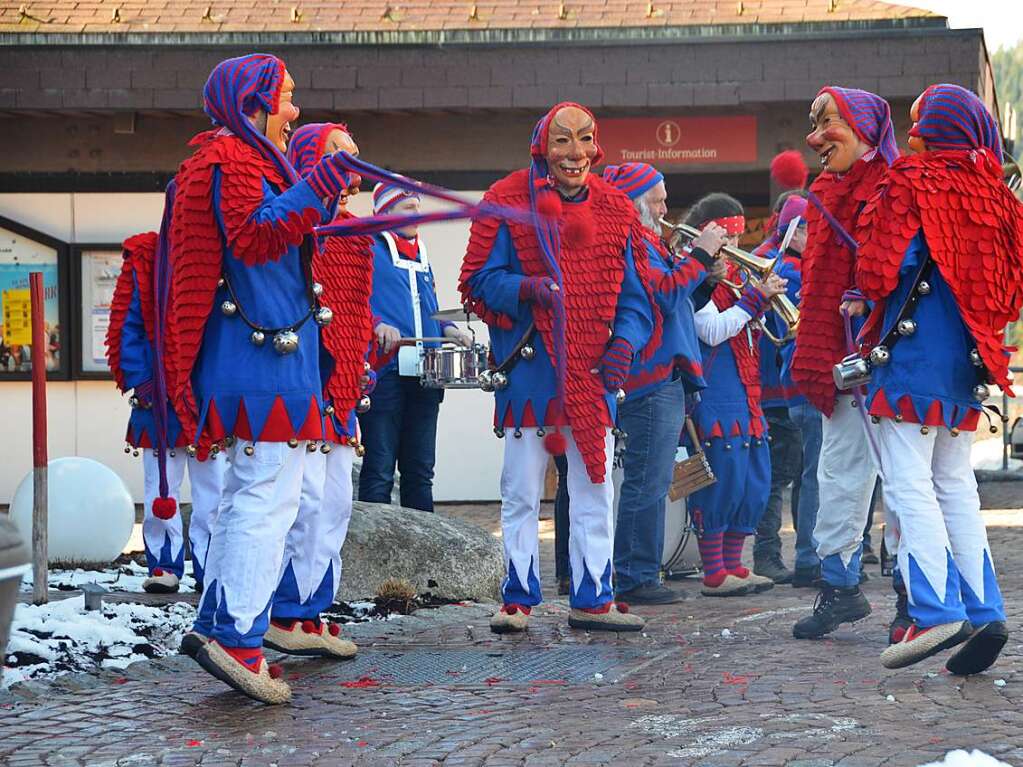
{"type": "Point", "coordinates": [90, 511]}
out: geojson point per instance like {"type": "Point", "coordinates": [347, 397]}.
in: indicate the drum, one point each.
{"type": "Point", "coordinates": [680, 556]}
{"type": "Point", "coordinates": [453, 367]}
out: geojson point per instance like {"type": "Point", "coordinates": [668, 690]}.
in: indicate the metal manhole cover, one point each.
{"type": "Point", "coordinates": [575, 664]}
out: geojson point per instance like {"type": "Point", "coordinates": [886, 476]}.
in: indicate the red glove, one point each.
{"type": "Point", "coordinates": [539, 290]}
{"type": "Point", "coordinates": [615, 364]}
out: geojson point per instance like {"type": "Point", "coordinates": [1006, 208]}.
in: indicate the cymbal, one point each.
{"type": "Point", "coordinates": [454, 315]}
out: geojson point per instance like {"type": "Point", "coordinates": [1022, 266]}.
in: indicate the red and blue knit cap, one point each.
{"type": "Point", "coordinates": [869, 116]}
{"type": "Point", "coordinates": [794, 207]}
{"type": "Point", "coordinates": [236, 89]}
{"type": "Point", "coordinates": [952, 117]}
{"type": "Point", "coordinates": [386, 196]}
{"type": "Point", "coordinates": [633, 178]}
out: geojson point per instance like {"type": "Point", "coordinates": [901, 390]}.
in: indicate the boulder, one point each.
{"type": "Point", "coordinates": [446, 557]}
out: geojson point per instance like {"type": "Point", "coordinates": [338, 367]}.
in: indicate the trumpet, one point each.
{"type": "Point", "coordinates": [750, 266]}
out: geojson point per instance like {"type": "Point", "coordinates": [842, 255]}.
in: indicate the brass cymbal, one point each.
{"type": "Point", "coordinates": [457, 314]}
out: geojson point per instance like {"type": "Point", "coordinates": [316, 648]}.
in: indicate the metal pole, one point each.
{"type": "Point", "coordinates": [40, 567]}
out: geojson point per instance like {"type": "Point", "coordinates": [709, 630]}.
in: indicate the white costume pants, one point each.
{"type": "Point", "coordinates": [260, 504]}
{"type": "Point", "coordinates": [591, 521]}
{"type": "Point", "coordinates": [163, 537]}
{"type": "Point", "coordinates": [311, 571]}
{"type": "Point", "coordinates": [944, 555]}
{"type": "Point", "coordinates": [846, 474]}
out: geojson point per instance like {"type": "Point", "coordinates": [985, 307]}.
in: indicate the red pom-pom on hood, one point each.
{"type": "Point", "coordinates": [789, 171]}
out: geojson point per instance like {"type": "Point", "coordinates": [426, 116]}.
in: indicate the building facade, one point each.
{"type": "Point", "coordinates": [98, 105]}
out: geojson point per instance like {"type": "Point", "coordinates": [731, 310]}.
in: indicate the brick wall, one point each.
{"type": "Point", "coordinates": [622, 77]}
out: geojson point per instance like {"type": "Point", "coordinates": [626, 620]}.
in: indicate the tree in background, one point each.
{"type": "Point", "coordinates": [1007, 64]}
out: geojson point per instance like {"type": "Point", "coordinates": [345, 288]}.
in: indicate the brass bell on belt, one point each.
{"type": "Point", "coordinates": [317, 289]}
{"type": "Point", "coordinates": [363, 405]}
{"type": "Point", "coordinates": [880, 355]}
{"type": "Point", "coordinates": [981, 392]}
{"type": "Point", "coordinates": [500, 381]}
{"type": "Point", "coordinates": [620, 396]}
{"type": "Point", "coordinates": [249, 450]}
{"type": "Point", "coordinates": [486, 380]}
{"type": "Point", "coordinates": [257, 337]}
{"type": "Point", "coordinates": [285, 342]}
{"type": "Point", "coordinates": [975, 357]}
{"type": "Point", "coordinates": [329, 410]}
{"type": "Point", "coordinates": [325, 448]}
{"type": "Point", "coordinates": [527, 352]}
{"type": "Point", "coordinates": [923, 288]}
{"type": "Point", "coordinates": [228, 307]}
{"type": "Point", "coordinates": [907, 327]}
{"type": "Point", "coordinates": [324, 316]}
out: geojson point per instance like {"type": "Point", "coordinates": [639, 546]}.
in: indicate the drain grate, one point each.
{"type": "Point", "coordinates": [568, 664]}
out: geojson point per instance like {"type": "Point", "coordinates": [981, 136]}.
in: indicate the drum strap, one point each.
{"type": "Point", "coordinates": [411, 268]}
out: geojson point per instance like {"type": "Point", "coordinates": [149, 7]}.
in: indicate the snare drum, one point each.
{"type": "Point", "coordinates": [453, 367]}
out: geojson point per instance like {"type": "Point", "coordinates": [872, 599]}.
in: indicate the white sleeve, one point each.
{"type": "Point", "coordinates": [715, 327]}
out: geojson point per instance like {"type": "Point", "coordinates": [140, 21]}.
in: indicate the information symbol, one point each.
{"type": "Point", "coordinates": [668, 133]}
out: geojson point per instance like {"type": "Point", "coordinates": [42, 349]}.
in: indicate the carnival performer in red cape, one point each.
{"type": "Point", "coordinates": [131, 354]}
{"type": "Point", "coordinates": [657, 389]}
{"type": "Point", "coordinates": [941, 252]}
{"type": "Point", "coordinates": [568, 309]}
{"type": "Point", "coordinates": [342, 279]}
{"type": "Point", "coordinates": [243, 347]}
{"type": "Point", "coordinates": [855, 141]}
{"type": "Point", "coordinates": [728, 417]}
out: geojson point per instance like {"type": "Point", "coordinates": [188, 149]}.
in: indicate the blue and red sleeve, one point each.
{"type": "Point", "coordinates": [634, 315]}
{"type": "Point", "coordinates": [258, 224]}
{"type": "Point", "coordinates": [136, 351]}
{"type": "Point", "coordinates": [674, 283]}
{"type": "Point", "coordinates": [497, 283]}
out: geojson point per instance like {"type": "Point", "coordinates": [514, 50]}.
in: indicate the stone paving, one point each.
{"type": "Point", "coordinates": [713, 683]}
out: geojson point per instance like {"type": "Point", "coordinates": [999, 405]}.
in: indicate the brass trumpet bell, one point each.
{"type": "Point", "coordinates": [752, 267]}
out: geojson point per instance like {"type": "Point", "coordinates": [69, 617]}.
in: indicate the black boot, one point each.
{"type": "Point", "coordinates": [902, 621]}
{"type": "Point", "coordinates": [980, 651]}
{"type": "Point", "coordinates": [807, 578]}
{"type": "Point", "coordinates": [833, 607]}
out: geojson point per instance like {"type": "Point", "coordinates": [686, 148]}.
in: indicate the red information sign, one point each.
{"type": "Point", "coordinates": [666, 141]}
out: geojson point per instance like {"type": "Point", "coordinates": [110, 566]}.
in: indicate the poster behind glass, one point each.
{"type": "Point", "coordinates": [100, 268]}
{"type": "Point", "coordinates": [19, 256]}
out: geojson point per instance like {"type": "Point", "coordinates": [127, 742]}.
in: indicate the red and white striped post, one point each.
{"type": "Point", "coordinates": [40, 569]}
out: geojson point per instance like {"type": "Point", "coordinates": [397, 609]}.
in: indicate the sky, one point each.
{"type": "Point", "coordinates": [1002, 20]}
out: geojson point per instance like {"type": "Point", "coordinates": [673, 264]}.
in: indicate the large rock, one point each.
{"type": "Point", "coordinates": [448, 558]}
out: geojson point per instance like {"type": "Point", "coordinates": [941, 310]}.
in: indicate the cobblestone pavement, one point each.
{"type": "Point", "coordinates": [714, 683]}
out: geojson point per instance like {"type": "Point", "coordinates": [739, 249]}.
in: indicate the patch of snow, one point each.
{"type": "Point", "coordinates": [961, 758]}
{"type": "Point", "coordinates": [717, 741]}
{"type": "Point", "coordinates": [1000, 683]}
{"type": "Point", "coordinates": [127, 578]}
{"type": "Point", "coordinates": [726, 633]}
{"type": "Point", "coordinates": [890, 698]}
{"type": "Point", "coordinates": [62, 637]}
{"type": "Point", "coordinates": [987, 454]}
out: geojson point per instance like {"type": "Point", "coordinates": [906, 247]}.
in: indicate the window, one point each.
{"type": "Point", "coordinates": [96, 269]}
{"type": "Point", "coordinates": [23, 251]}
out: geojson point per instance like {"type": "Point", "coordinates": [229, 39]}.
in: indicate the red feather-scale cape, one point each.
{"type": "Point", "coordinates": [828, 271]}
{"type": "Point", "coordinates": [592, 274]}
{"type": "Point", "coordinates": [344, 267]}
{"type": "Point", "coordinates": [747, 355]}
{"type": "Point", "coordinates": [974, 229]}
{"type": "Point", "coordinates": [139, 254]}
{"type": "Point", "coordinates": [196, 253]}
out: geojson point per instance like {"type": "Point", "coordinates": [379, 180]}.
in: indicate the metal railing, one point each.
{"type": "Point", "coordinates": [1007, 427]}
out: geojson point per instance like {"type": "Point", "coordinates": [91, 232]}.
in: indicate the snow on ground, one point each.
{"type": "Point", "coordinates": [62, 637]}
{"type": "Point", "coordinates": [960, 758]}
{"type": "Point", "coordinates": [987, 454]}
{"type": "Point", "coordinates": [127, 577]}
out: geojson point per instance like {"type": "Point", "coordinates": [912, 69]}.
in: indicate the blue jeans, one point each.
{"type": "Point", "coordinates": [808, 419]}
{"type": "Point", "coordinates": [400, 428]}
{"type": "Point", "coordinates": [653, 424]}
